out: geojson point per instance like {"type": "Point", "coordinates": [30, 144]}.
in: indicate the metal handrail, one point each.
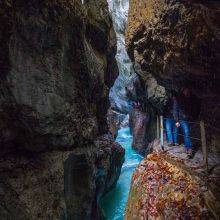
{"type": "Point", "coordinates": [160, 129]}
{"type": "Point", "coordinates": [197, 123]}
{"type": "Point", "coordinates": [191, 122]}
{"type": "Point", "coordinates": [195, 138]}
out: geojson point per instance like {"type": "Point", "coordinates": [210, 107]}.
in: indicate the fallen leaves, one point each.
{"type": "Point", "coordinates": [162, 191]}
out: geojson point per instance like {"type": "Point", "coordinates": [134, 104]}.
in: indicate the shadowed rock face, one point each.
{"type": "Point", "coordinates": [138, 122]}
{"type": "Point", "coordinates": [98, 177]}
{"type": "Point", "coordinates": [143, 126]}
{"type": "Point", "coordinates": [115, 121]}
{"type": "Point", "coordinates": [59, 184]}
{"type": "Point", "coordinates": [56, 67]}
{"type": "Point", "coordinates": [54, 87]}
{"type": "Point", "coordinates": [176, 43]}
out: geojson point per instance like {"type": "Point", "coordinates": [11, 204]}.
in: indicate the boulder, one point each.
{"type": "Point", "coordinates": [115, 121]}
{"type": "Point", "coordinates": [166, 184]}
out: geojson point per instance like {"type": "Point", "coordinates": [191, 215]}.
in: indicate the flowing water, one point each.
{"type": "Point", "coordinates": [114, 202]}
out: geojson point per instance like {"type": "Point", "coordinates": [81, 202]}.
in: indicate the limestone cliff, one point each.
{"type": "Point", "coordinates": [54, 86]}
{"type": "Point", "coordinates": [175, 43]}
{"type": "Point", "coordinates": [56, 67]}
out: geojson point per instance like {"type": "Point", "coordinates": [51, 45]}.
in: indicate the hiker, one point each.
{"type": "Point", "coordinates": [185, 109]}
{"type": "Point", "coordinates": [171, 117]}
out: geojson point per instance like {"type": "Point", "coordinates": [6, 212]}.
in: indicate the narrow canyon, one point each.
{"type": "Point", "coordinates": [84, 90]}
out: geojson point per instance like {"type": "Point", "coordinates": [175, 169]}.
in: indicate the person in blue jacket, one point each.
{"type": "Point", "coordinates": [185, 112]}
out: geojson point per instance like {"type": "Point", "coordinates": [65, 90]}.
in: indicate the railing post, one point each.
{"type": "Point", "coordinates": [204, 145]}
{"type": "Point", "coordinates": [161, 133]}
{"type": "Point", "coordinates": [158, 127]}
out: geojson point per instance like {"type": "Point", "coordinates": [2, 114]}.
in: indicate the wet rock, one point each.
{"type": "Point", "coordinates": [100, 173]}
{"type": "Point", "coordinates": [115, 121]}
{"type": "Point", "coordinates": [139, 121]}
{"type": "Point", "coordinates": [122, 106]}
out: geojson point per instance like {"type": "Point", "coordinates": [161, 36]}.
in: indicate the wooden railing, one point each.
{"type": "Point", "coordinates": [202, 139]}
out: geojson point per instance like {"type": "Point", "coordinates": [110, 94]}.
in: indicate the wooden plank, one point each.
{"type": "Point", "coordinates": [158, 127]}
{"type": "Point", "coordinates": [161, 133]}
{"type": "Point", "coordinates": [204, 145]}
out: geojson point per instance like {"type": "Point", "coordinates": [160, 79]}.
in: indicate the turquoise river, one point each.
{"type": "Point", "coordinates": [114, 202]}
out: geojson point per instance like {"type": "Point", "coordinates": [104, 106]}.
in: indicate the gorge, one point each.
{"type": "Point", "coordinates": [82, 84]}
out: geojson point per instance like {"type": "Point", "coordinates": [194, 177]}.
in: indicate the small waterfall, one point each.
{"type": "Point", "coordinates": [119, 11]}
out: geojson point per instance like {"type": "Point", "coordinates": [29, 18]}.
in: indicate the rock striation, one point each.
{"type": "Point", "coordinates": [58, 73]}
{"type": "Point", "coordinates": [56, 67]}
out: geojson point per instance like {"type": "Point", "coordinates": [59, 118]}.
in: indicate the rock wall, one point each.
{"type": "Point", "coordinates": [142, 121]}
{"type": "Point", "coordinates": [173, 44]}
{"type": "Point", "coordinates": [91, 175]}
{"type": "Point", "coordinates": [56, 67]}
{"type": "Point", "coordinates": [56, 74]}
{"type": "Point", "coordinates": [59, 184]}
{"type": "Point", "coordinates": [176, 43]}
